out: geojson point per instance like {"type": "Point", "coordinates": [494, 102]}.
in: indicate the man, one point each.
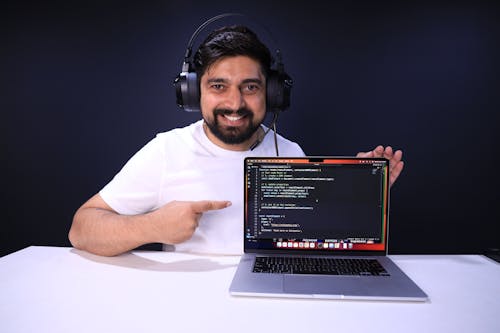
{"type": "Point", "coordinates": [184, 187]}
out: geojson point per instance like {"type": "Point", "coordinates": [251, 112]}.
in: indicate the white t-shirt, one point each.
{"type": "Point", "coordinates": [183, 164]}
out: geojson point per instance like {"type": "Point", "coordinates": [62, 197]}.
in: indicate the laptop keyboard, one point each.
{"type": "Point", "coordinates": [326, 266]}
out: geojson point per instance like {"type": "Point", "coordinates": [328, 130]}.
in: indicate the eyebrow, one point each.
{"type": "Point", "coordinates": [258, 81]}
{"type": "Point", "coordinates": [221, 80]}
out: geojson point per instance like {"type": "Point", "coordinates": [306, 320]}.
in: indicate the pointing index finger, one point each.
{"type": "Point", "coordinates": [206, 205]}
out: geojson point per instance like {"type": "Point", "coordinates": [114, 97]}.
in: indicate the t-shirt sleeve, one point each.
{"type": "Point", "coordinates": [135, 189]}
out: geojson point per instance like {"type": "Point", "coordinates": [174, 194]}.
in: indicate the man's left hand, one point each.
{"type": "Point", "coordinates": [396, 165]}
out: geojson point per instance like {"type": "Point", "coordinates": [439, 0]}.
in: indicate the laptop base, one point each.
{"type": "Point", "coordinates": [396, 287]}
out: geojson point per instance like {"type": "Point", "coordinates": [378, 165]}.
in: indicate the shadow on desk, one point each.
{"type": "Point", "coordinates": [134, 261]}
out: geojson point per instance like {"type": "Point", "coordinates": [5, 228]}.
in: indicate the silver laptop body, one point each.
{"type": "Point", "coordinates": [309, 211]}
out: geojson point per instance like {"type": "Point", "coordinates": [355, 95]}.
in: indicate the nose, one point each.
{"type": "Point", "coordinates": [234, 99]}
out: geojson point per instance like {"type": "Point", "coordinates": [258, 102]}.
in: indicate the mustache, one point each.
{"type": "Point", "coordinates": [239, 112]}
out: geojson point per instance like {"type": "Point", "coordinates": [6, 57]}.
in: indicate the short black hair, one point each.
{"type": "Point", "coordinates": [231, 41]}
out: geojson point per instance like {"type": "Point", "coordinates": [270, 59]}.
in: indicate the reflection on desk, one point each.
{"type": "Point", "coordinates": [49, 289]}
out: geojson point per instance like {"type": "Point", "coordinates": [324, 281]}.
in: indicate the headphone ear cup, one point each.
{"type": "Point", "coordinates": [187, 91]}
{"type": "Point", "coordinates": [279, 86]}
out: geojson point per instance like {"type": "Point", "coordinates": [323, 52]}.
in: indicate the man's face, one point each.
{"type": "Point", "coordinates": [233, 101]}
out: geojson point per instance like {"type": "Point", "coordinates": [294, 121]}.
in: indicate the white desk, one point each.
{"type": "Point", "coordinates": [49, 289]}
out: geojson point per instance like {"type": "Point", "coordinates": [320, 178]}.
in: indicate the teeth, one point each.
{"type": "Point", "coordinates": [233, 118]}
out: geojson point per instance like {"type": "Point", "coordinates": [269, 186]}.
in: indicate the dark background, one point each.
{"type": "Point", "coordinates": [84, 85]}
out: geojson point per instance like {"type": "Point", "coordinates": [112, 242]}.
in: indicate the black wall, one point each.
{"type": "Point", "coordinates": [85, 85]}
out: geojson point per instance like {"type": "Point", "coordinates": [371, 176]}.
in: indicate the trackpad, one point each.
{"type": "Point", "coordinates": [321, 284]}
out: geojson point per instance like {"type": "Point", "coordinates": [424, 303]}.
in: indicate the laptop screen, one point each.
{"type": "Point", "coordinates": [321, 204]}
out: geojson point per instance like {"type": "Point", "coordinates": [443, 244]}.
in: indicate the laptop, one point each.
{"type": "Point", "coordinates": [317, 227]}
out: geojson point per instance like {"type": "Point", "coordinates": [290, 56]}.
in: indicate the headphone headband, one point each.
{"type": "Point", "coordinates": [200, 29]}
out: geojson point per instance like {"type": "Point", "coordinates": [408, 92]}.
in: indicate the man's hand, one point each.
{"type": "Point", "coordinates": [176, 221]}
{"type": "Point", "coordinates": [395, 163]}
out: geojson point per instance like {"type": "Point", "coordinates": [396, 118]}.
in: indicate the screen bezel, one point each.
{"type": "Point", "coordinates": [376, 249]}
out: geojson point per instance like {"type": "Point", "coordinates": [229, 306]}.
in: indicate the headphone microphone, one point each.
{"type": "Point", "coordinates": [187, 90]}
{"type": "Point", "coordinates": [260, 139]}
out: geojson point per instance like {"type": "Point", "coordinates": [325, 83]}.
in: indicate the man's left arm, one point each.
{"type": "Point", "coordinates": [396, 165]}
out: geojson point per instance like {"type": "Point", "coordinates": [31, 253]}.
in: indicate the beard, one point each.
{"type": "Point", "coordinates": [232, 135]}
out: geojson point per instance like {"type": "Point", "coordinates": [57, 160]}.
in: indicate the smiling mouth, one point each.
{"type": "Point", "coordinates": [233, 118]}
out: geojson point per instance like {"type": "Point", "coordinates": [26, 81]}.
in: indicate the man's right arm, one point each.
{"type": "Point", "coordinates": [98, 229]}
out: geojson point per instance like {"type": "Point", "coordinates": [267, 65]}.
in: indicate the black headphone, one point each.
{"type": "Point", "coordinates": [278, 84]}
